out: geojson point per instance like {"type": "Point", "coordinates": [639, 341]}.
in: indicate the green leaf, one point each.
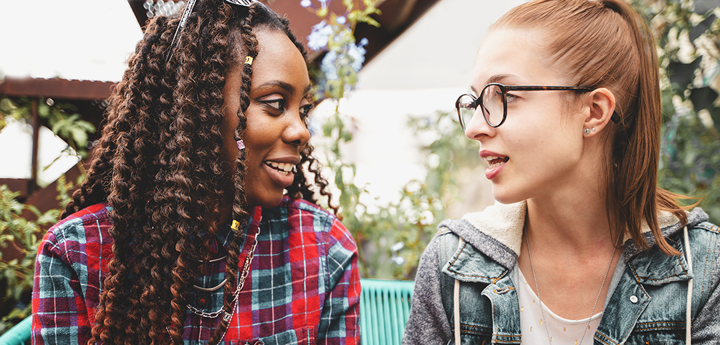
{"type": "Point", "coordinates": [80, 137]}
{"type": "Point", "coordinates": [43, 110]}
{"type": "Point", "coordinates": [49, 217]}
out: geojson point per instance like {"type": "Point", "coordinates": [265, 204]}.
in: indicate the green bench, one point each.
{"type": "Point", "coordinates": [384, 310]}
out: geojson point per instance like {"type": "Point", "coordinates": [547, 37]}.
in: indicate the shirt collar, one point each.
{"type": "Point", "coordinates": [225, 235]}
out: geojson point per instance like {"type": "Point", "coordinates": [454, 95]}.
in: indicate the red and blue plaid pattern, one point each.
{"type": "Point", "coordinates": [303, 287]}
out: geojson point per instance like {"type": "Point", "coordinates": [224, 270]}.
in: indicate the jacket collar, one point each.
{"type": "Point", "coordinates": [497, 231]}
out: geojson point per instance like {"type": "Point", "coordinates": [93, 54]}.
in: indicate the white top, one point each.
{"type": "Point", "coordinates": [562, 331]}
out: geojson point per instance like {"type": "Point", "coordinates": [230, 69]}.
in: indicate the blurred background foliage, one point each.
{"type": "Point", "coordinates": [21, 225]}
{"type": "Point", "coordinates": [392, 236]}
{"type": "Point", "coordinates": [688, 40]}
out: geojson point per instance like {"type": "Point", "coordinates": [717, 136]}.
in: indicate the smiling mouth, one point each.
{"type": "Point", "coordinates": [283, 168]}
{"type": "Point", "coordinates": [495, 161]}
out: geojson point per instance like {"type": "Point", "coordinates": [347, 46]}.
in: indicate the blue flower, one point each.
{"type": "Point", "coordinates": [357, 54]}
{"type": "Point", "coordinates": [305, 3]}
{"type": "Point", "coordinates": [319, 36]}
{"type": "Point", "coordinates": [328, 65]}
{"type": "Point", "coordinates": [363, 41]}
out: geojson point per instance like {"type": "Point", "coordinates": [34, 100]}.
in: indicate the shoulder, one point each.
{"type": "Point", "coordinates": [708, 227]}
{"type": "Point", "coordinates": [704, 242]}
{"type": "Point", "coordinates": [87, 228]}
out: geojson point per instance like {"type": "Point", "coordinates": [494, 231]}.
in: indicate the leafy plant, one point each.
{"type": "Point", "coordinates": [688, 35]}
{"type": "Point", "coordinates": [391, 237]}
{"type": "Point", "coordinates": [21, 227]}
{"type": "Point", "coordinates": [63, 120]}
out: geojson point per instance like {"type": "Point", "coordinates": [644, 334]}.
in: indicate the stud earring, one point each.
{"type": "Point", "coordinates": [587, 131]}
{"type": "Point", "coordinates": [593, 130]}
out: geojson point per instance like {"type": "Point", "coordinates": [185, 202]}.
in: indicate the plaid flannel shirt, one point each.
{"type": "Point", "coordinates": [303, 287]}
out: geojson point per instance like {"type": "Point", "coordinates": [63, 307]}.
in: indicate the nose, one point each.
{"type": "Point", "coordinates": [296, 132]}
{"type": "Point", "coordinates": [478, 128]}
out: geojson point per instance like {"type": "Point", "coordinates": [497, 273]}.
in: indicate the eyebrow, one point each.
{"type": "Point", "coordinates": [494, 79]}
{"type": "Point", "coordinates": [285, 86]}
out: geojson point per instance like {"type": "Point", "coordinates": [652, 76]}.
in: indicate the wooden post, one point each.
{"type": "Point", "coordinates": [32, 184]}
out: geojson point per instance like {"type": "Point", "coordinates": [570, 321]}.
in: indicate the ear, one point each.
{"type": "Point", "coordinates": [601, 103]}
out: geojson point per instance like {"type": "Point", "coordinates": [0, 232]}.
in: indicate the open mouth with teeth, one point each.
{"type": "Point", "coordinates": [494, 161]}
{"type": "Point", "coordinates": [283, 168]}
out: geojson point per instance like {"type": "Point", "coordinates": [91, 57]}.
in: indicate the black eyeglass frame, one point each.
{"type": "Point", "coordinates": [477, 101]}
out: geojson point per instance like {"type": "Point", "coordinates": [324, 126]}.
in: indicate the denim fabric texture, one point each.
{"type": "Point", "coordinates": [647, 306]}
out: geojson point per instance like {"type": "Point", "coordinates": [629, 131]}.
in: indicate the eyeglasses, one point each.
{"type": "Point", "coordinates": [186, 14]}
{"type": "Point", "coordinates": [494, 99]}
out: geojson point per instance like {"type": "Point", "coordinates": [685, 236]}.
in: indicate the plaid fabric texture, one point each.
{"type": "Point", "coordinates": [303, 287]}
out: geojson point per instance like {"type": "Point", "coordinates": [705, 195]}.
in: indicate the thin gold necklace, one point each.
{"type": "Point", "coordinates": [542, 312]}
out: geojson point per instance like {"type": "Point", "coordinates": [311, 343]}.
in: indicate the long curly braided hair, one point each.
{"type": "Point", "coordinates": [158, 165]}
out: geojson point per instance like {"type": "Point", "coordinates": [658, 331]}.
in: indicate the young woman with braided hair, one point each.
{"type": "Point", "coordinates": [197, 222]}
{"type": "Point", "coordinates": [582, 246]}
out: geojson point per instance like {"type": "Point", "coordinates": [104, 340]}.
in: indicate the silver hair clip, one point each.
{"type": "Point", "coordinates": [186, 14]}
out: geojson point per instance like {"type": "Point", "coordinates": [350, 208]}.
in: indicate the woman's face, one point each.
{"type": "Point", "coordinates": [536, 150]}
{"type": "Point", "coordinates": [275, 133]}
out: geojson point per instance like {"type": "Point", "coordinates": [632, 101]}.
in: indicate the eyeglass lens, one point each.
{"type": "Point", "coordinates": [466, 109]}
{"type": "Point", "coordinates": [492, 103]}
{"type": "Point", "coordinates": [492, 106]}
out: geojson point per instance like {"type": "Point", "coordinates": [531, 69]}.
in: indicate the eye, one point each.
{"type": "Point", "coordinates": [305, 110]}
{"type": "Point", "coordinates": [511, 98]}
{"type": "Point", "coordinates": [276, 104]}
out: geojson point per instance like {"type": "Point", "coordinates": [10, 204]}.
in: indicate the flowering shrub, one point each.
{"type": "Point", "coordinates": [344, 56]}
{"type": "Point", "coordinates": [391, 237]}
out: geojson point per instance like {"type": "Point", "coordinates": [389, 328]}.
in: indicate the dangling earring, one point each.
{"type": "Point", "coordinates": [240, 145]}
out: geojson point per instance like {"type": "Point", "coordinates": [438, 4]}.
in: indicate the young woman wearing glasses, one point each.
{"type": "Point", "coordinates": [582, 246]}
{"type": "Point", "coordinates": [197, 222]}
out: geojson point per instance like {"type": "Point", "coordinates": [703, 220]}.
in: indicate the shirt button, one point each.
{"type": "Point", "coordinates": [633, 299]}
{"type": "Point", "coordinates": [202, 301]}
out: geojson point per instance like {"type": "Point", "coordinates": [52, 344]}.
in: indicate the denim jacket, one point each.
{"type": "Point", "coordinates": [646, 303]}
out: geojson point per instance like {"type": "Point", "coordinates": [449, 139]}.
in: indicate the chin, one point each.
{"type": "Point", "coordinates": [270, 201]}
{"type": "Point", "coordinates": [504, 196]}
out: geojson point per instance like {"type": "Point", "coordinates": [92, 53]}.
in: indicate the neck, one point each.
{"type": "Point", "coordinates": [572, 221]}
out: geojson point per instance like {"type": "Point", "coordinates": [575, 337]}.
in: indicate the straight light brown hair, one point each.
{"type": "Point", "coordinates": [607, 44]}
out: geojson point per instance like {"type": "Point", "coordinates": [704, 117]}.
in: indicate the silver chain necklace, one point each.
{"type": "Point", "coordinates": [227, 316]}
{"type": "Point", "coordinates": [542, 312]}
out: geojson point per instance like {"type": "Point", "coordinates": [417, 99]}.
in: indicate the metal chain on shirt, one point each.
{"type": "Point", "coordinates": [241, 283]}
{"type": "Point", "coordinates": [227, 316]}
{"type": "Point", "coordinates": [542, 312]}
